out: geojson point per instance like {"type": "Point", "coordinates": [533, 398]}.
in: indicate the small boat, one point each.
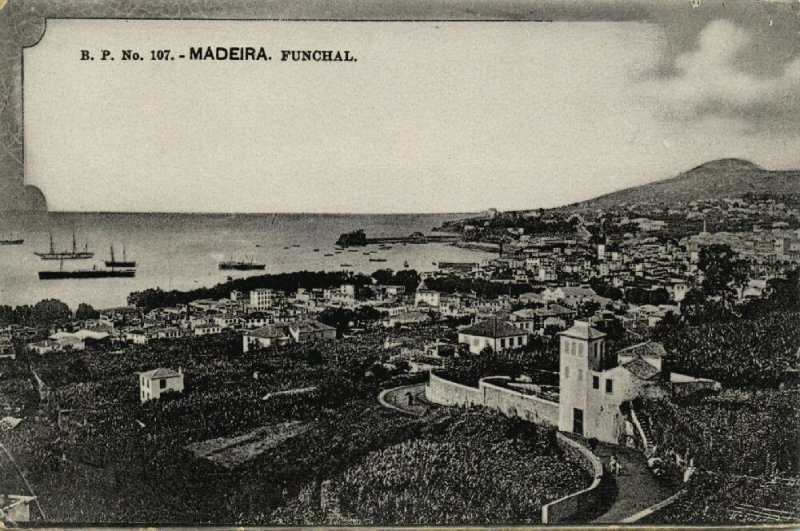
{"type": "Point", "coordinates": [377, 259]}
{"type": "Point", "coordinates": [285, 248]}
{"type": "Point", "coordinates": [258, 245]}
{"type": "Point", "coordinates": [346, 265]}
{"type": "Point", "coordinates": [295, 245]}
{"type": "Point", "coordinates": [316, 250]}
{"type": "Point", "coordinates": [12, 241]}
{"type": "Point", "coordinates": [338, 252]}
{"type": "Point", "coordinates": [366, 254]}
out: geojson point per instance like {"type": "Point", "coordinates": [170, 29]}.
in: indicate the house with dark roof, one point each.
{"type": "Point", "coordinates": [648, 351]}
{"type": "Point", "coordinates": [494, 333]}
{"type": "Point", "coordinates": [266, 336]}
{"type": "Point", "coordinates": [305, 331]}
{"type": "Point", "coordinates": [154, 383]}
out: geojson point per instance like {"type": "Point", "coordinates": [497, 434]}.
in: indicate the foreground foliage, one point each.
{"type": "Point", "coordinates": [471, 467]}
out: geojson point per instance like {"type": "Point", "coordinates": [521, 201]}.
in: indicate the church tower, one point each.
{"type": "Point", "coordinates": [582, 352]}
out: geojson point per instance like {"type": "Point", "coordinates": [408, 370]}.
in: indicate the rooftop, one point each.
{"type": "Point", "coordinates": [160, 373]}
{"type": "Point", "coordinates": [650, 349]}
{"type": "Point", "coordinates": [582, 330]}
{"type": "Point", "coordinates": [494, 328]}
{"type": "Point", "coordinates": [641, 369]}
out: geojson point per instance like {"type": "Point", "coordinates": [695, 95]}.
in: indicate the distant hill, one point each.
{"type": "Point", "coordinates": [713, 180]}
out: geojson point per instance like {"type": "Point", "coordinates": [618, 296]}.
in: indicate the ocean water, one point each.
{"type": "Point", "coordinates": [182, 251]}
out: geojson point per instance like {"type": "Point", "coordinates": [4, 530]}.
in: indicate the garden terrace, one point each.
{"type": "Point", "coordinates": [118, 460]}
{"type": "Point", "coordinates": [468, 467]}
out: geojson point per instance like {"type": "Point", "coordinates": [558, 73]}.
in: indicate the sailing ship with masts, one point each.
{"type": "Point", "coordinates": [75, 254]}
{"type": "Point", "coordinates": [120, 263]}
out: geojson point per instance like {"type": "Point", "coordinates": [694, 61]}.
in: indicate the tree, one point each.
{"type": "Point", "coordinates": [338, 318]}
{"type": "Point", "coordinates": [693, 305]}
{"type": "Point", "coordinates": [408, 278]}
{"type": "Point", "coordinates": [723, 270]}
{"type": "Point", "coordinates": [85, 311]}
{"type": "Point", "coordinates": [50, 311]}
{"type": "Point", "coordinates": [383, 276]}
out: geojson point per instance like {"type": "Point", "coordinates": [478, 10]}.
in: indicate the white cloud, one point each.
{"type": "Point", "coordinates": [710, 81]}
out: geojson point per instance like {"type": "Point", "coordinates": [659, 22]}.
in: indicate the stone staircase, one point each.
{"type": "Point", "coordinates": [644, 432]}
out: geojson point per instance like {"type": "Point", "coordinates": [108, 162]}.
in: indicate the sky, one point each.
{"type": "Point", "coordinates": [433, 117]}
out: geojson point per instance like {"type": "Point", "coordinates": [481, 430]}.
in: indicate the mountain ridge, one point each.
{"type": "Point", "coordinates": [716, 179]}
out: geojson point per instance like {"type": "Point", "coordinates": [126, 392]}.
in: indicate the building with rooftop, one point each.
{"type": "Point", "coordinates": [493, 333]}
{"type": "Point", "coordinates": [14, 509]}
{"type": "Point", "coordinates": [425, 296]}
{"type": "Point", "coordinates": [154, 383]}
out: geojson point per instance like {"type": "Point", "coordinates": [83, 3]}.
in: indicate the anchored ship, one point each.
{"type": "Point", "coordinates": [86, 273]}
{"type": "Point", "coordinates": [241, 265]}
{"type": "Point", "coordinates": [65, 255]}
{"type": "Point", "coordinates": [120, 263]}
{"type": "Point", "coordinates": [10, 240]}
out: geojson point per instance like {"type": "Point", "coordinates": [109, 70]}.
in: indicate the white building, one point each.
{"type": "Point", "coordinates": [14, 509]}
{"type": "Point", "coordinates": [426, 296]}
{"type": "Point", "coordinates": [493, 333]}
{"type": "Point", "coordinates": [262, 298]}
{"type": "Point", "coordinates": [152, 384]}
{"type": "Point", "coordinates": [592, 386]}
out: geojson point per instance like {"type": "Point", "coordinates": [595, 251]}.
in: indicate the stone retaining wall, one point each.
{"type": "Point", "coordinates": [585, 501]}
{"type": "Point", "coordinates": [447, 393]}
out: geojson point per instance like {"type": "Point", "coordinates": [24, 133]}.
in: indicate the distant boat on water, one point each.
{"type": "Point", "coordinates": [241, 265]}
{"type": "Point", "coordinates": [65, 255]}
{"type": "Point", "coordinates": [120, 263]}
{"type": "Point", "coordinates": [377, 259]}
{"type": "Point", "coordinates": [10, 240]}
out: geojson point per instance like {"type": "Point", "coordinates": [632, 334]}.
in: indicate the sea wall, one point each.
{"type": "Point", "coordinates": [585, 501]}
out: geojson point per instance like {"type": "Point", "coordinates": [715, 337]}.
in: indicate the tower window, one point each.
{"type": "Point", "coordinates": [609, 386]}
{"type": "Point", "coordinates": [566, 373]}
{"type": "Point", "coordinates": [595, 382]}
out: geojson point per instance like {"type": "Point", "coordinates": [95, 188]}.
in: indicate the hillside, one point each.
{"type": "Point", "coordinates": [713, 180]}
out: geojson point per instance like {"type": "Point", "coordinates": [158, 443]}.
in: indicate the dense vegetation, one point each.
{"type": "Point", "coordinates": [112, 459]}
{"type": "Point", "coordinates": [468, 467]}
{"type": "Point", "coordinates": [122, 461]}
{"type": "Point", "coordinates": [744, 433]}
{"type": "Point", "coordinates": [744, 352]}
